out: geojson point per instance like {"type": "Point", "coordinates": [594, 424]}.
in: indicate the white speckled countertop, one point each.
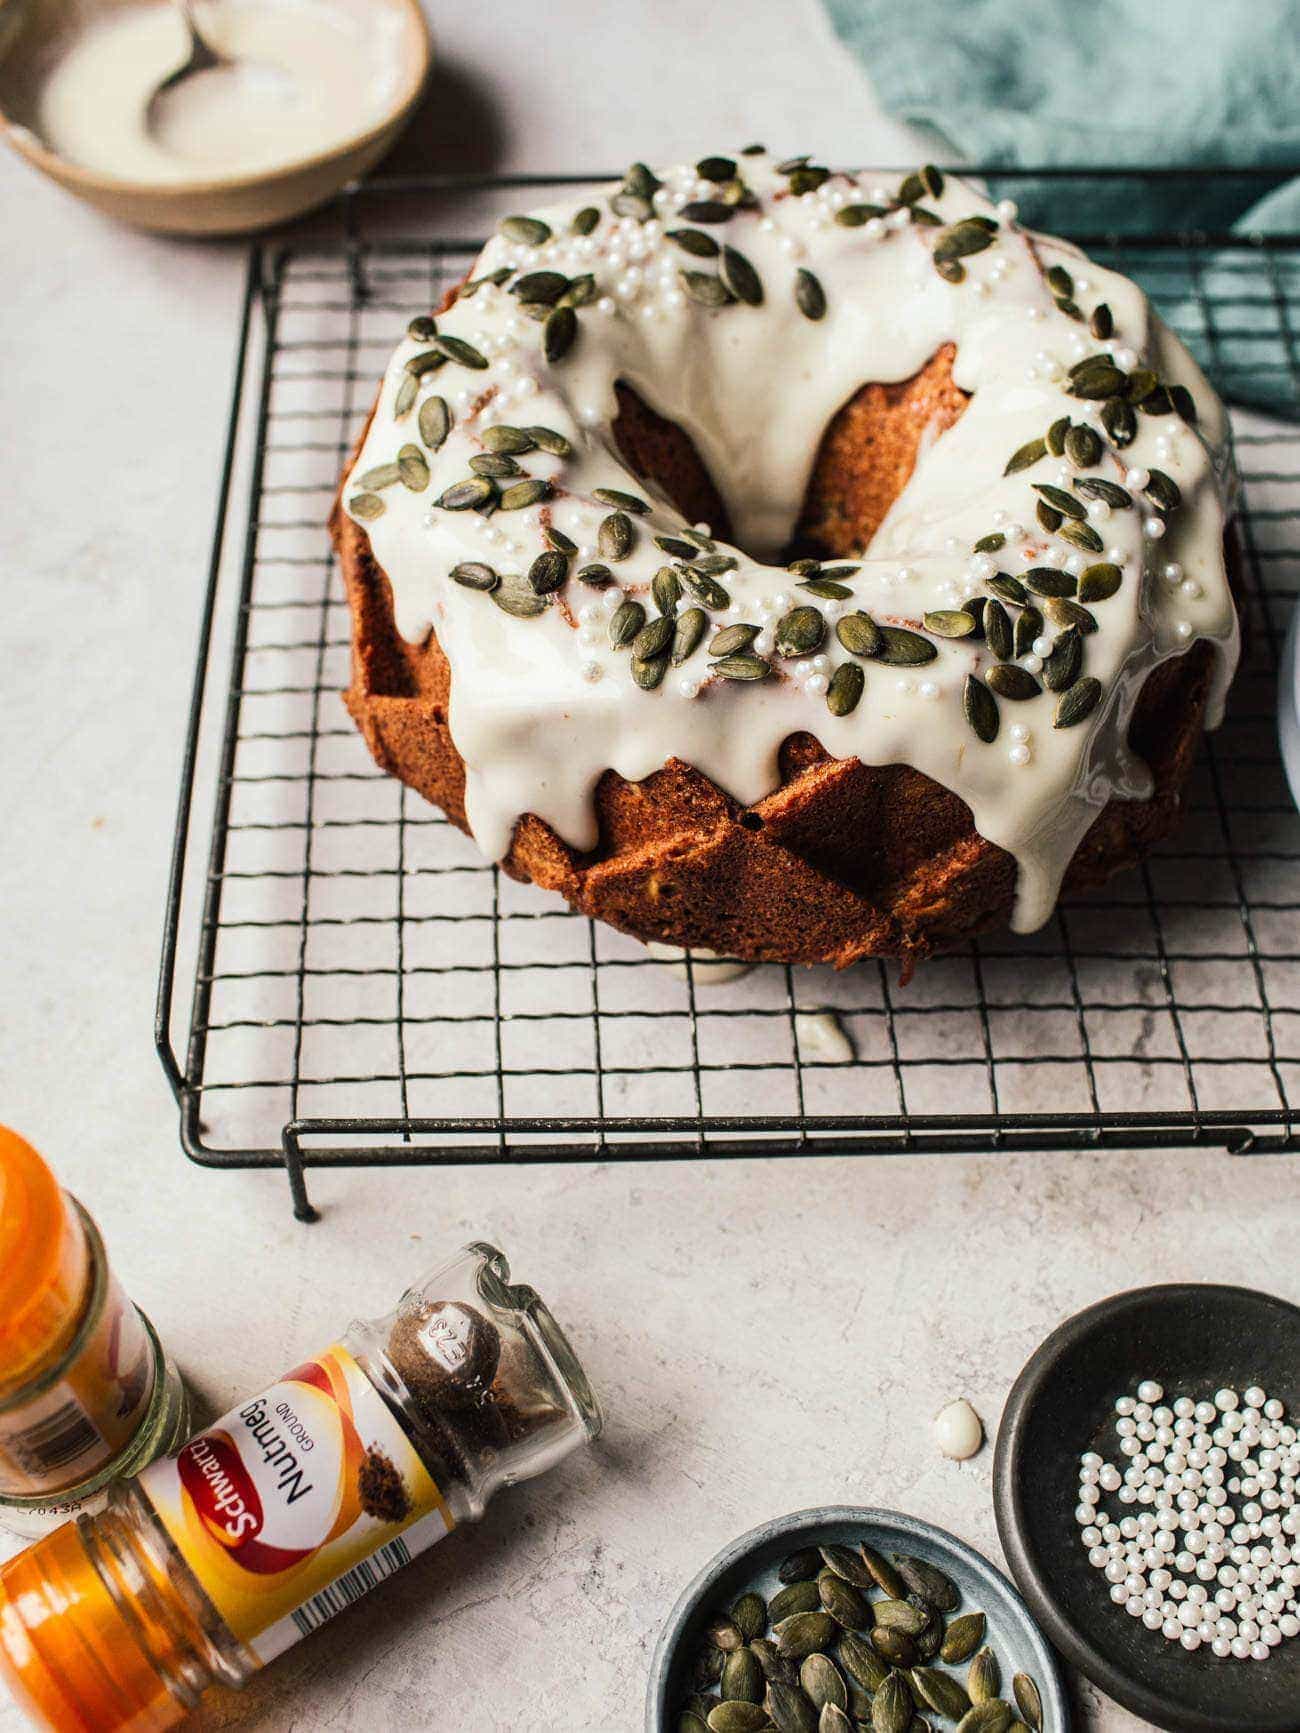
{"type": "Point", "coordinates": [765, 1335]}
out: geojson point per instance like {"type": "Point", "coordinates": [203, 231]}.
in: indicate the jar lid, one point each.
{"type": "Point", "coordinates": [44, 1263]}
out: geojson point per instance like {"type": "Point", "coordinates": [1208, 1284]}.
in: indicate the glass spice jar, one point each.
{"type": "Point", "coordinates": [87, 1394]}
{"type": "Point", "coordinates": [295, 1504]}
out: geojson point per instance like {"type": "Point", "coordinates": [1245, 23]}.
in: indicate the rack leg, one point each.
{"type": "Point", "coordinates": [303, 1208]}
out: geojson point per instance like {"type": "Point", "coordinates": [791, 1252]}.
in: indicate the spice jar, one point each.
{"type": "Point", "coordinates": [295, 1504]}
{"type": "Point", "coordinates": [86, 1393]}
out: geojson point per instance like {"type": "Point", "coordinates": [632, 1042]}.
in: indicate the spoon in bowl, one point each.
{"type": "Point", "coordinates": [203, 62]}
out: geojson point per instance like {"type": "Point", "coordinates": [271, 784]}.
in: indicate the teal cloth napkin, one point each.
{"type": "Point", "coordinates": [1130, 84]}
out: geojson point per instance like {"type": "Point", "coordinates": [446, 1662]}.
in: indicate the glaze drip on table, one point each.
{"type": "Point", "coordinates": [542, 707]}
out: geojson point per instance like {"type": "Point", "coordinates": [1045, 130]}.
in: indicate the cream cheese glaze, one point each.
{"type": "Point", "coordinates": [541, 707]}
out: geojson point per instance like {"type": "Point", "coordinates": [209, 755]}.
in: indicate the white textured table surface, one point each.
{"type": "Point", "coordinates": [765, 1335]}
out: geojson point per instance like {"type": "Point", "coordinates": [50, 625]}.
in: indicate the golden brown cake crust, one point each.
{"type": "Point", "coordinates": [843, 860]}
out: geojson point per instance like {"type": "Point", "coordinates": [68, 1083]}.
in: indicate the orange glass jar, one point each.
{"type": "Point", "coordinates": [86, 1392]}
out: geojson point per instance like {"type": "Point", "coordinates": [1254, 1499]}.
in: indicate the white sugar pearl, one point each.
{"type": "Point", "coordinates": [1153, 528]}
{"type": "Point", "coordinates": [1126, 358]}
{"type": "Point", "coordinates": [1007, 210]}
{"type": "Point", "coordinates": [1149, 1391]}
{"type": "Point", "coordinates": [1224, 1400]}
{"type": "Point", "coordinates": [1019, 755]}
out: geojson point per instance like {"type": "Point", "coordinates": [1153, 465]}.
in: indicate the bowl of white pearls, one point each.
{"type": "Point", "coordinates": [1147, 1486]}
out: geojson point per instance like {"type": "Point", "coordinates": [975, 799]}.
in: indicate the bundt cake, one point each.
{"type": "Point", "coordinates": [802, 565]}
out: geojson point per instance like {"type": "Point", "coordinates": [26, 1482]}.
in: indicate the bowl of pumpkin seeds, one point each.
{"type": "Point", "coordinates": [846, 1620]}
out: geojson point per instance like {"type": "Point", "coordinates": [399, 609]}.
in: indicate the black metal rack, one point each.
{"type": "Point", "coordinates": [366, 991]}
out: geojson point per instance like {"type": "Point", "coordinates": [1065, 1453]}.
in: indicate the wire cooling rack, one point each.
{"type": "Point", "coordinates": [365, 990]}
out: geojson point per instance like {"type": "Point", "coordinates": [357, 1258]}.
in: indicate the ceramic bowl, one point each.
{"type": "Point", "coordinates": [1193, 1339]}
{"type": "Point", "coordinates": [30, 32]}
{"type": "Point", "coordinates": [751, 1563]}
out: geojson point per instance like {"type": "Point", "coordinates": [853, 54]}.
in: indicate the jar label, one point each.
{"type": "Point", "coordinates": [68, 1429]}
{"type": "Point", "coordinates": [298, 1502]}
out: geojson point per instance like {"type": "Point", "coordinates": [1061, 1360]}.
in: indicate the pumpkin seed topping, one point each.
{"type": "Point", "coordinates": [545, 286]}
{"type": "Point", "coordinates": [1029, 454]}
{"type": "Point", "coordinates": [413, 468]}
{"type": "Point", "coordinates": [728, 639]}
{"type": "Point", "coordinates": [434, 422]}
{"type": "Point", "coordinates": [559, 541]}
{"type": "Point", "coordinates": [458, 350]}
{"type": "Point", "coordinates": [422, 327]}
{"type": "Point", "coordinates": [382, 475]}
{"type": "Point", "coordinates": [679, 550]}
{"type": "Point", "coordinates": [620, 501]}
{"type": "Point", "coordinates": [407, 391]}
{"type": "Point", "coordinates": [1008, 588]}
{"type": "Point", "coordinates": [525, 231]}
{"type": "Point", "coordinates": [1100, 582]}
{"type": "Point", "coordinates": [615, 536]}
{"type": "Point", "coordinates": [559, 333]}
{"type": "Point", "coordinates": [1050, 581]}
{"type": "Point", "coordinates": [990, 544]}
{"type": "Point", "coordinates": [475, 575]}
{"type": "Point", "coordinates": [997, 630]}
{"type": "Point", "coordinates": [494, 463]}
{"type": "Point", "coordinates": [740, 277]}
{"type": "Point", "coordinates": [1062, 612]}
{"type": "Point", "coordinates": [596, 576]}
{"type": "Point", "coordinates": [809, 296]}
{"type": "Point", "coordinates": [468, 494]}
{"type": "Point", "coordinates": [1058, 499]}
{"type": "Point", "coordinates": [1065, 663]}
{"type": "Point", "coordinates": [706, 211]}
{"type": "Point", "coordinates": [750, 667]}
{"type": "Point", "coordinates": [654, 637]}
{"type": "Point", "coordinates": [548, 572]}
{"type": "Point", "coordinates": [1010, 680]}
{"type": "Point", "coordinates": [1163, 490]}
{"type": "Point", "coordinates": [693, 241]}
{"type": "Point", "coordinates": [666, 588]}
{"type": "Point", "coordinates": [1120, 423]}
{"type": "Point", "coordinates": [427, 361]}
{"type": "Point", "coordinates": [826, 589]}
{"type": "Point", "coordinates": [1082, 446]}
{"type": "Point", "coordinates": [691, 625]}
{"type": "Point", "coordinates": [366, 505]}
{"type": "Point", "coordinates": [855, 216]}
{"type": "Point", "coordinates": [585, 220]}
{"type": "Point", "coordinates": [904, 649]}
{"type": "Point", "coordinates": [705, 290]}
{"type": "Point", "coordinates": [859, 634]}
{"type": "Point", "coordinates": [1097, 487]}
{"type": "Point", "coordinates": [950, 622]}
{"type": "Point", "coordinates": [981, 709]}
{"type": "Point", "coordinates": [1077, 703]}
{"type": "Point", "coordinates": [525, 493]}
{"type": "Point", "coordinates": [626, 621]}
{"type": "Point", "coordinates": [1081, 535]}
{"type": "Point", "coordinates": [1028, 626]}
{"type": "Point", "coordinates": [1102, 323]}
{"type": "Point", "coordinates": [845, 689]}
{"type": "Point", "coordinates": [800, 631]}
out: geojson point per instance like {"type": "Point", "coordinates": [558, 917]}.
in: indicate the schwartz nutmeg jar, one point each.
{"type": "Point", "coordinates": [295, 1504]}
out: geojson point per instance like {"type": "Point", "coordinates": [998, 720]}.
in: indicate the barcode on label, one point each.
{"type": "Point", "coordinates": [56, 1441]}
{"type": "Point", "coordinates": [351, 1586]}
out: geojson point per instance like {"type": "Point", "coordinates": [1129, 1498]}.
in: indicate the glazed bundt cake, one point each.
{"type": "Point", "coordinates": [790, 563]}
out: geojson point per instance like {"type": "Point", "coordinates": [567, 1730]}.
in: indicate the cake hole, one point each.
{"type": "Point", "coordinates": [751, 821]}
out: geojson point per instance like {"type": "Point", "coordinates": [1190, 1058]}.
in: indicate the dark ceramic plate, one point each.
{"type": "Point", "coordinates": [1194, 1340]}
{"type": "Point", "coordinates": [751, 1563]}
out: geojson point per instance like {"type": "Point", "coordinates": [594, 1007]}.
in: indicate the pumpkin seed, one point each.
{"type": "Point", "coordinates": [724, 642]}
{"type": "Point", "coordinates": [540, 286]}
{"type": "Point", "coordinates": [1028, 1701]}
{"type": "Point", "coordinates": [626, 621]}
{"type": "Point", "coordinates": [822, 1682]}
{"type": "Point", "coordinates": [1008, 588]}
{"type": "Point", "coordinates": [619, 500]}
{"type": "Point", "coordinates": [896, 1647]}
{"type": "Point", "coordinates": [654, 638]}
{"type": "Point", "coordinates": [807, 180]}
{"type": "Point", "coordinates": [1102, 323]}
{"type": "Point", "coordinates": [1142, 382]}
{"type": "Point", "coordinates": [788, 1708]}
{"type": "Point", "coordinates": [1055, 437]}
{"type": "Point", "coordinates": [997, 630]}
{"type": "Point", "coordinates": [475, 575]}
{"type": "Point", "coordinates": [706, 590]}
{"type": "Point", "coordinates": [1164, 490]}
{"type": "Point", "coordinates": [1184, 403]}
{"type": "Point", "coordinates": [891, 1707]}
{"type": "Point", "coordinates": [694, 241]}
{"type": "Point", "coordinates": [494, 463]}
{"type": "Point", "coordinates": [641, 179]}
{"type": "Point", "coordinates": [1028, 626]}
{"type": "Point", "coordinates": [513, 596]}
{"type": "Point", "coordinates": [557, 540]}
{"type": "Point", "coordinates": [861, 1662]}
{"type": "Point", "coordinates": [941, 1692]}
{"type": "Point", "coordinates": [596, 576]}
{"type": "Point", "coordinates": [689, 629]}
{"type": "Point", "coordinates": [615, 536]}
{"type": "Point", "coordinates": [993, 1717]}
{"type": "Point", "coordinates": [797, 633]}
{"type": "Point", "coordinates": [366, 505]}
{"type": "Point", "coordinates": [774, 1665]}
{"type": "Point", "coordinates": [1028, 454]}
{"type": "Point", "coordinates": [706, 1669]}
{"type": "Point", "coordinates": [900, 1616]}
{"type": "Point", "coordinates": [826, 589]}
{"type": "Point", "coordinates": [458, 350]}
{"type": "Point", "coordinates": [526, 231]}
{"type": "Point", "coordinates": [951, 270]}
{"type": "Point", "coordinates": [1061, 668]}
{"type": "Point", "coordinates": [1082, 536]}
{"type": "Point", "coordinates": [802, 1596]}
{"type": "Point", "coordinates": [422, 327]}
{"type": "Point", "coordinates": [854, 216]}
{"type": "Point", "coordinates": [547, 439]}
{"type": "Point", "coordinates": [712, 564]}
{"type": "Point", "coordinates": [929, 1582]}
{"type": "Point", "coordinates": [983, 1677]}
{"type": "Point", "coordinates": [666, 588]}
{"type": "Point", "coordinates": [1096, 487]}
{"type": "Point", "coordinates": [707, 290]}
{"type": "Point", "coordinates": [1063, 612]}
{"type": "Point", "coordinates": [1049, 581]}
{"type": "Point", "coordinates": [882, 1572]}
{"type": "Point", "coordinates": [950, 622]}
{"type": "Point", "coordinates": [960, 241]}
{"type": "Point", "coordinates": [742, 1677]}
{"type": "Point", "coordinates": [509, 441]}
{"type": "Point", "coordinates": [427, 361]}
{"type": "Point", "coordinates": [1050, 519]}
{"type": "Point", "coordinates": [466, 495]}
{"type": "Point", "coordinates": [960, 1641]}
{"type": "Point", "coordinates": [706, 211]}
{"type": "Point", "coordinates": [802, 1633]}
{"type": "Point", "coordinates": [1120, 423]}
{"type": "Point", "coordinates": [860, 635]}
{"type": "Point", "coordinates": [1097, 377]}
{"type": "Point", "coordinates": [740, 277]}
{"type": "Point", "coordinates": [407, 391]}
{"type": "Point", "coordinates": [736, 1717]}
{"type": "Point", "coordinates": [1098, 583]}
{"type": "Point", "coordinates": [548, 572]}
{"type": "Point", "coordinates": [724, 1635]}
{"type": "Point", "coordinates": [747, 667]}
{"type": "Point", "coordinates": [842, 699]}
{"type": "Point", "coordinates": [904, 649]}
{"type": "Point", "coordinates": [434, 421]}
{"type": "Point", "coordinates": [842, 1600]}
{"type": "Point", "coordinates": [1059, 281]}
{"type": "Point", "coordinates": [525, 493]}
{"type": "Point", "coordinates": [1010, 680]}
{"type": "Point", "coordinates": [558, 333]}
{"type": "Point", "coordinates": [1077, 703]}
{"type": "Point", "coordinates": [990, 544]}
{"type": "Point", "coordinates": [1058, 499]}
{"type": "Point", "coordinates": [585, 220]}
{"type": "Point", "coordinates": [1083, 447]}
{"type": "Point", "coordinates": [690, 1722]}
{"type": "Point", "coordinates": [580, 291]}
{"type": "Point", "coordinates": [382, 475]}
{"type": "Point", "coordinates": [833, 1719]}
{"type": "Point", "coordinates": [809, 296]}
{"type": "Point", "coordinates": [678, 549]}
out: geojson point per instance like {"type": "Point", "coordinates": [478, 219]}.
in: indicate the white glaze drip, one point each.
{"type": "Point", "coordinates": [540, 708]}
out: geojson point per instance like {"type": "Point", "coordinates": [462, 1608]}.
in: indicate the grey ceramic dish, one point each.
{"type": "Point", "coordinates": [751, 1562]}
